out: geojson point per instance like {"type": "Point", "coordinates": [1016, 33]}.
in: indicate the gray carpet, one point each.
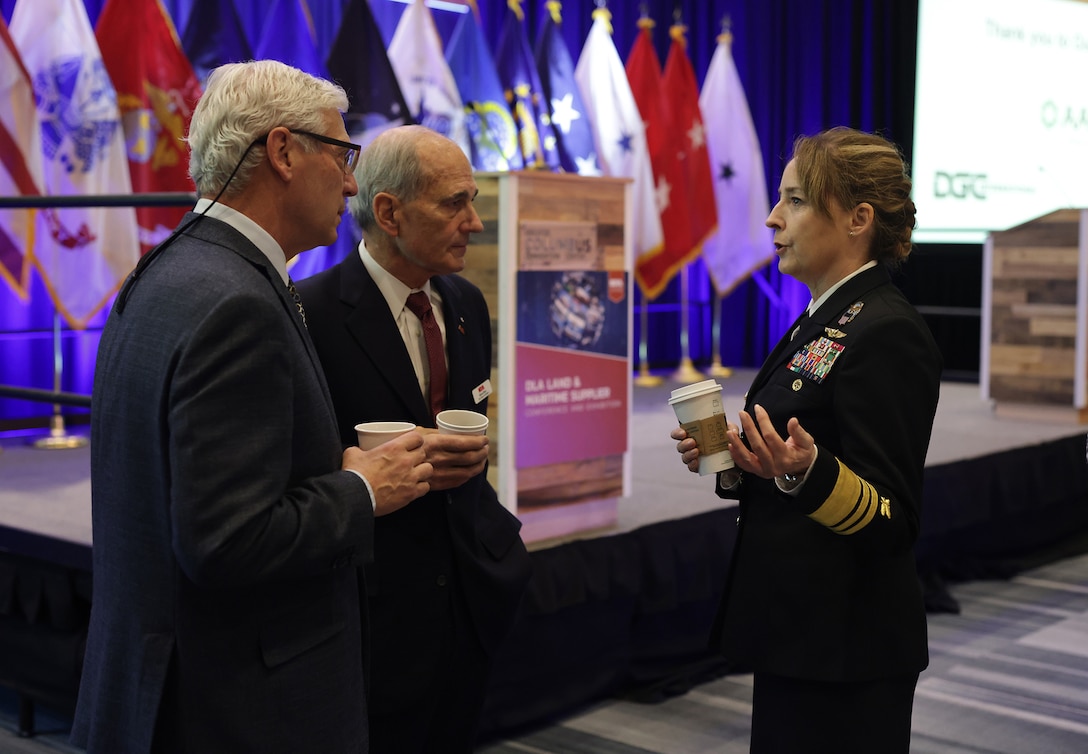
{"type": "Point", "coordinates": [1009, 675]}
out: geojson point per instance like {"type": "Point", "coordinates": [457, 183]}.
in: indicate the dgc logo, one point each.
{"type": "Point", "coordinates": [959, 185]}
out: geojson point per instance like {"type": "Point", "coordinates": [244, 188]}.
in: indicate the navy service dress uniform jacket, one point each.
{"type": "Point", "coordinates": [823, 585]}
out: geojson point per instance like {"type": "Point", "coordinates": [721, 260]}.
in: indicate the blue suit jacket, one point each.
{"type": "Point", "coordinates": [461, 539]}
{"type": "Point", "coordinates": [225, 533]}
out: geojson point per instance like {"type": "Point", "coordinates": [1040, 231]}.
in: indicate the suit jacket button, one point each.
{"type": "Point", "coordinates": [441, 580]}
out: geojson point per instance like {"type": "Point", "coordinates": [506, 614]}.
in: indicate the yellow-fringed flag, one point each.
{"type": "Point", "coordinates": [156, 93]}
{"type": "Point", "coordinates": [20, 163]}
{"type": "Point", "coordinates": [742, 243]}
{"type": "Point", "coordinates": [654, 271]}
{"type": "Point", "coordinates": [618, 132]}
{"type": "Point", "coordinates": [689, 146]}
{"type": "Point", "coordinates": [83, 254]}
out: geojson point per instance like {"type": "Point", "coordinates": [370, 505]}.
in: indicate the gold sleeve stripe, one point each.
{"type": "Point", "coordinates": [851, 505]}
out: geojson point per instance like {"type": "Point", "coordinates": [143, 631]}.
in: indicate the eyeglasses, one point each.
{"type": "Point", "coordinates": [351, 151]}
{"type": "Point", "coordinates": [350, 157]}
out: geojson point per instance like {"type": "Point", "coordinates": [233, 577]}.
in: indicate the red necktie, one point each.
{"type": "Point", "coordinates": [420, 306]}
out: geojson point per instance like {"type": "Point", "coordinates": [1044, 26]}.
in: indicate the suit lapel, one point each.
{"type": "Point", "coordinates": [212, 230]}
{"type": "Point", "coordinates": [372, 326]}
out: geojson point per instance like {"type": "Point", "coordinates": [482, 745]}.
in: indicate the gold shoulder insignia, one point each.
{"type": "Point", "coordinates": [885, 507]}
{"type": "Point", "coordinates": [833, 333]}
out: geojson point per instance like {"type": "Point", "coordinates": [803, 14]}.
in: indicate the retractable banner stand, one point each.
{"type": "Point", "coordinates": [554, 263]}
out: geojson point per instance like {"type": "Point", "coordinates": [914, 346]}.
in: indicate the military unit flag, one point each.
{"type": "Point", "coordinates": [81, 253]}
{"type": "Point", "coordinates": [358, 63]}
{"type": "Point", "coordinates": [156, 93]}
{"type": "Point", "coordinates": [524, 92]}
{"type": "Point", "coordinates": [574, 136]}
{"type": "Point", "coordinates": [424, 75]}
{"type": "Point", "coordinates": [655, 269]}
{"type": "Point", "coordinates": [742, 243]}
{"type": "Point", "coordinates": [689, 139]}
{"type": "Point", "coordinates": [491, 128]}
{"type": "Point", "coordinates": [618, 132]}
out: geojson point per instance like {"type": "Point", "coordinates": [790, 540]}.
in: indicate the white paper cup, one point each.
{"type": "Point", "coordinates": [457, 421]}
{"type": "Point", "coordinates": [700, 412]}
{"type": "Point", "coordinates": [373, 434]}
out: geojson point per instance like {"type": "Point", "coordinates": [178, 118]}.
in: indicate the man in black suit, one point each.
{"type": "Point", "coordinates": [227, 517]}
{"type": "Point", "coordinates": [449, 571]}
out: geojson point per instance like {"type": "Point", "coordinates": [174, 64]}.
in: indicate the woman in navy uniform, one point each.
{"type": "Point", "coordinates": [822, 601]}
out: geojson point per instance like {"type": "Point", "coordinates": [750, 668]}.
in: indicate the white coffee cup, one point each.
{"type": "Point", "coordinates": [458, 421]}
{"type": "Point", "coordinates": [373, 434]}
{"type": "Point", "coordinates": [700, 412]}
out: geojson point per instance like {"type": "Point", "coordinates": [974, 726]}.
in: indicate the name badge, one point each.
{"type": "Point", "coordinates": [481, 391]}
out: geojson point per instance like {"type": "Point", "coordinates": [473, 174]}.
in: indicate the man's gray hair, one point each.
{"type": "Point", "coordinates": [393, 163]}
{"type": "Point", "coordinates": [242, 102]}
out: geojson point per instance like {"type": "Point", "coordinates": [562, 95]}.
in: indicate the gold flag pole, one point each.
{"type": "Point", "coordinates": [645, 379]}
{"type": "Point", "coordinates": [716, 368]}
{"type": "Point", "coordinates": [58, 438]}
{"type": "Point", "coordinates": [687, 371]}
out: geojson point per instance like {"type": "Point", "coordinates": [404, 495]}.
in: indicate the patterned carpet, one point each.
{"type": "Point", "coordinates": [1008, 675]}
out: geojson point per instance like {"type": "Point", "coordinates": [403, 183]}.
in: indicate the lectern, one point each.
{"type": "Point", "coordinates": [1035, 318]}
{"type": "Point", "coordinates": [554, 264]}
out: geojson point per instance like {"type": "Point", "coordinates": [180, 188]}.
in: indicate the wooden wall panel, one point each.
{"type": "Point", "coordinates": [1034, 311]}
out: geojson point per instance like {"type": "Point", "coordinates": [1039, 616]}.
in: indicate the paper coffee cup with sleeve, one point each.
{"type": "Point", "coordinates": [701, 413]}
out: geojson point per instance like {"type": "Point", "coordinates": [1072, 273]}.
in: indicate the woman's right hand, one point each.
{"type": "Point", "coordinates": [686, 447]}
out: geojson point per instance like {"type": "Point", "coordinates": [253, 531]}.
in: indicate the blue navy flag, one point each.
{"type": "Point", "coordinates": [493, 136]}
{"type": "Point", "coordinates": [357, 61]}
{"type": "Point", "coordinates": [214, 36]}
{"type": "Point", "coordinates": [288, 36]}
{"type": "Point", "coordinates": [521, 82]}
{"type": "Point", "coordinates": [570, 122]}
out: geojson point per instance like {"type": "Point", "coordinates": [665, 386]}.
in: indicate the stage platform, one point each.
{"type": "Point", "coordinates": [625, 610]}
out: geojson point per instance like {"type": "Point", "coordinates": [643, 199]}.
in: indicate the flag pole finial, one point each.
{"type": "Point", "coordinates": [726, 36]}
{"type": "Point", "coordinates": [644, 20]}
{"type": "Point", "coordinates": [603, 14]}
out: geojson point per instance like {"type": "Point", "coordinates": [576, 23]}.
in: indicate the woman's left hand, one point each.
{"type": "Point", "coordinates": [767, 454]}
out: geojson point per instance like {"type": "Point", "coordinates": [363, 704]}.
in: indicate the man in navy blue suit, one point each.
{"type": "Point", "coordinates": [449, 570]}
{"type": "Point", "coordinates": [227, 517]}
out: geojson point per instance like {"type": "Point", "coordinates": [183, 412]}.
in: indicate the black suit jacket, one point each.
{"type": "Point", "coordinates": [459, 544]}
{"type": "Point", "coordinates": [823, 585]}
{"type": "Point", "coordinates": [225, 609]}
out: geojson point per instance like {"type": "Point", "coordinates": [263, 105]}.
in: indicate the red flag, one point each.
{"type": "Point", "coordinates": [688, 139]}
{"type": "Point", "coordinates": [156, 93]}
{"type": "Point", "coordinates": [654, 269]}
